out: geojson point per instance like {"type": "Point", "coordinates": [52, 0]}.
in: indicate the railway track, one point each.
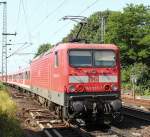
{"type": "Point", "coordinates": [47, 121]}
{"type": "Point", "coordinates": [136, 113]}
{"type": "Point", "coordinates": [54, 127]}
{"type": "Point", "coordinates": [57, 128]}
{"type": "Point", "coordinates": [51, 126]}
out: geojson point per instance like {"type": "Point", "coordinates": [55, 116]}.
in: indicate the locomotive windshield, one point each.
{"type": "Point", "coordinates": [80, 58]}
{"type": "Point", "coordinates": [104, 58]}
{"type": "Point", "coordinates": [88, 58]}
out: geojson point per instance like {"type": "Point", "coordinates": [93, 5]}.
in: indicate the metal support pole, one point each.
{"type": "Point", "coordinates": [102, 29]}
{"type": "Point", "coordinates": [133, 91]}
{"type": "Point", "coordinates": [4, 42]}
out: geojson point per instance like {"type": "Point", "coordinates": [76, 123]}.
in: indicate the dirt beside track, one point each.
{"type": "Point", "coordinates": [141, 103]}
{"type": "Point", "coordinates": [29, 127]}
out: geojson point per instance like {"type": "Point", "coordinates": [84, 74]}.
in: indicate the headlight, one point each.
{"type": "Point", "coordinates": [107, 87]}
{"type": "Point", "coordinates": [72, 88]}
{"type": "Point", "coordinates": [114, 88]}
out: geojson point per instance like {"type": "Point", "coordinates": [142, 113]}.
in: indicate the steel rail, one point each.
{"type": "Point", "coordinates": [136, 113]}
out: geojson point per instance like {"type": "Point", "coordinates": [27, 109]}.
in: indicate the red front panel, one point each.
{"type": "Point", "coordinates": [103, 81]}
{"type": "Point", "coordinates": [92, 78]}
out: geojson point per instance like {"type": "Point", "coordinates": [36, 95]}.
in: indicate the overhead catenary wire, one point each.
{"type": "Point", "coordinates": [16, 51]}
{"type": "Point", "coordinates": [50, 14]}
{"type": "Point", "coordinates": [58, 30]}
{"type": "Point", "coordinates": [38, 8]}
{"type": "Point", "coordinates": [25, 53]}
{"type": "Point", "coordinates": [20, 48]}
{"type": "Point", "coordinates": [18, 16]}
{"type": "Point", "coordinates": [26, 21]}
{"type": "Point", "coordinates": [88, 7]}
{"type": "Point", "coordinates": [47, 16]}
{"type": "Point", "coordinates": [18, 43]}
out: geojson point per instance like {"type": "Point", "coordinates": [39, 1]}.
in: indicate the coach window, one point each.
{"type": "Point", "coordinates": [26, 75]}
{"type": "Point", "coordinates": [56, 63]}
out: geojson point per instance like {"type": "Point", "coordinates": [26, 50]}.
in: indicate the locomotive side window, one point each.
{"type": "Point", "coordinates": [56, 63]}
{"type": "Point", "coordinates": [104, 58]}
{"type": "Point", "coordinates": [80, 58]}
{"type": "Point", "coordinates": [27, 75]}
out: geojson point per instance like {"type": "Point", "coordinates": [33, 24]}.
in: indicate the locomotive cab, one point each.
{"type": "Point", "coordinates": [94, 82]}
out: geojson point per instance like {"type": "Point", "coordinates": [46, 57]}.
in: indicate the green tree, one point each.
{"type": "Point", "coordinates": [43, 48]}
{"type": "Point", "coordinates": [131, 31]}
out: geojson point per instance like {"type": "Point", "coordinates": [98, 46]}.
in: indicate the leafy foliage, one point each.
{"type": "Point", "coordinates": [9, 125]}
{"type": "Point", "coordinates": [130, 30]}
{"type": "Point", "coordinates": [6, 104]}
{"type": "Point", "coordinates": [2, 87]}
{"type": "Point", "coordinates": [43, 48]}
{"type": "Point", "coordinates": [141, 73]}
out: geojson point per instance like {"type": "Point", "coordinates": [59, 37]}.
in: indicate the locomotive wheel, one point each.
{"type": "Point", "coordinates": [51, 106]}
{"type": "Point", "coordinates": [58, 111]}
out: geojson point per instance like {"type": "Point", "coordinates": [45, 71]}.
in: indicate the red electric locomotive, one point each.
{"type": "Point", "coordinates": [79, 80]}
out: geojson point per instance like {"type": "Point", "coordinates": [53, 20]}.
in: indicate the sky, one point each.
{"type": "Point", "coordinates": [40, 21]}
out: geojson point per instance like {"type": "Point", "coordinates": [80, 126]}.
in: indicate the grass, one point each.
{"type": "Point", "coordinates": [9, 124]}
{"type": "Point", "coordinates": [6, 104]}
{"type": "Point", "coordinates": [2, 87]}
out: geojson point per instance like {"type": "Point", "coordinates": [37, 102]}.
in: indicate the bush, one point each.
{"type": "Point", "coordinates": [141, 72]}
{"type": "Point", "coordinates": [147, 92]}
{"type": "Point", "coordinates": [2, 86]}
{"type": "Point", "coordinates": [6, 104]}
{"type": "Point", "coordinates": [9, 125]}
{"type": "Point", "coordinates": [125, 75]}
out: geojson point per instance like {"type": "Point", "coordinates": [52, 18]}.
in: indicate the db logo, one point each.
{"type": "Point", "coordinates": [93, 78]}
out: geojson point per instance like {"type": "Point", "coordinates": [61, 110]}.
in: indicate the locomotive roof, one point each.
{"type": "Point", "coordinates": [67, 46]}
{"type": "Point", "coordinates": [87, 46]}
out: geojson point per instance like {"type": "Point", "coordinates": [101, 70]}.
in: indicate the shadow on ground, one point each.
{"type": "Point", "coordinates": [130, 122]}
{"type": "Point", "coordinates": [32, 133]}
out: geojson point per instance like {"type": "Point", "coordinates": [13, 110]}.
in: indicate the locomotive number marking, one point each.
{"type": "Point", "coordinates": [93, 78]}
